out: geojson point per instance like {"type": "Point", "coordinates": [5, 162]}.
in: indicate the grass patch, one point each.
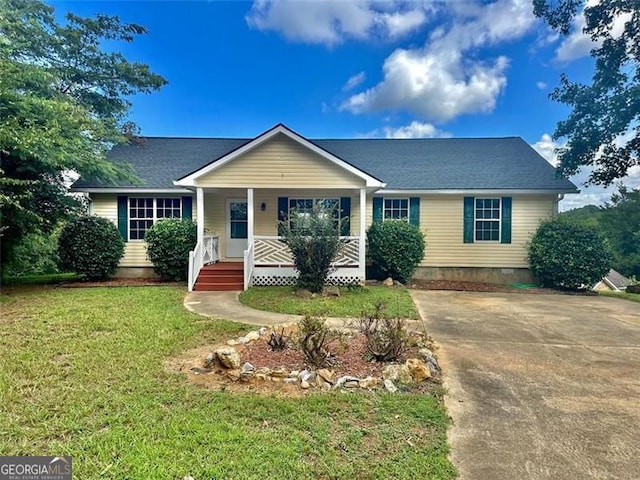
{"type": "Point", "coordinates": [81, 375]}
{"type": "Point", "coordinates": [350, 303]}
{"type": "Point", "coordinates": [45, 279]}
{"type": "Point", "coordinates": [633, 297]}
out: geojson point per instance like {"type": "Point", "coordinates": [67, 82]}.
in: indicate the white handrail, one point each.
{"type": "Point", "coordinates": [204, 253]}
{"type": "Point", "coordinates": [195, 264]}
{"type": "Point", "coordinates": [248, 265]}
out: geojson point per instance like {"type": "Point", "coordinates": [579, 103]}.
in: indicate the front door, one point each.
{"type": "Point", "coordinates": [236, 228]}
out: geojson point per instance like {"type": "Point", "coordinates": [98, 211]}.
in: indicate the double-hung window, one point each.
{"type": "Point", "coordinates": [144, 212]}
{"type": "Point", "coordinates": [396, 209]}
{"type": "Point", "coordinates": [487, 219]}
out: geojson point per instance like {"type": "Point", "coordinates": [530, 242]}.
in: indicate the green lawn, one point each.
{"type": "Point", "coordinates": [81, 375]}
{"type": "Point", "coordinates": [634, 297]}
{"type": "Point", "coordinates": [350, 303]}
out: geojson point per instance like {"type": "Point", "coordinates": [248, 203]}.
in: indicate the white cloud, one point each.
{"type": "Point", "coordinates": [331, 22]}
{"type": "Point", "coordinates": [541, 85]}
{"type": "Point", "coordinates": [546, 147]}
{"type": "Point", "coordinates": [415, 130]}
{"type": "Point", "coordinates": [589, 195]}
{"type": "Point", "coordinates": [354, 81]}
{"type": "Point", "coordinates": [444, 79]}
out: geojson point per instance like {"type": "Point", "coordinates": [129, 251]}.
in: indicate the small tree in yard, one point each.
{"type": "Point", "coordinates": [168, 245]}
{"type": "Point", "coordinates": [396, 248]}
{"type": "Point", "coordinates": [90, 246]}
{"type": "Point", "coordinates": [314, 240]}
{"type": "Point", "coordinates": [567, 255]}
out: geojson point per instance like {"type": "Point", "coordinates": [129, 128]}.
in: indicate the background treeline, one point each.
{"type": "Point", "coordinates": [619, 221]}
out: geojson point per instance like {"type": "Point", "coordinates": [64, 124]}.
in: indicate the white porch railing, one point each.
{"type": "Point", "coordinates": [204, 253]}
{"type": "Point", "coordinates": [272, 251]}
{"type": "Point", "coordinates": [248, 265]}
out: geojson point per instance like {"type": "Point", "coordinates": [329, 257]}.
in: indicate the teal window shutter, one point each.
{"type": "Point", "coordinates": [505, 236]}
{"type": "Point", "coordinates": [468, 220]}
{"type": "Point", "coordinates": [345, 216]}
{"type": "Point", "coordinates": [123, 217]}
{"type": "Point", "coordinates": [414, 211]}
{"type": "Point", "coordinates": [283, 211]}
{"type": "Point", "coordinates": [187, 208]}
{"type": "Point", "coordinates": [377, 209]}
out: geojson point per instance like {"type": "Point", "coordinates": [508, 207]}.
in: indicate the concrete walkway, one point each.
{"type": "Point", "coordinates": [227, 305]}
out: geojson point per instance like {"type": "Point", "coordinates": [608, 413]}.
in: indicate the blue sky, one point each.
{"type": "Point", "coordinates": [352, 68]}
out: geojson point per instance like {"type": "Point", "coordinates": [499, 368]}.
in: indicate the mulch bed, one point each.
{"type": "Point", "coordinates": [122, 282]}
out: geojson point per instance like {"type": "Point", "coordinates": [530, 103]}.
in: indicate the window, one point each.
{"type": "Point", "coordinates": [304, 206]}
{"type": "Point", "coordinates": [396, 209]}
{"type": "Point", "coordinates": [487, 219]}
{"type": "Point", "coordinates": [144, 212]}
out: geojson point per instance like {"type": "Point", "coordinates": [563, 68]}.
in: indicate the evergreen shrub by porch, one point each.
{"type": "Point", "coordinates": [567, 255]}
{"type": "Point", "coordinates": [90, 246]}
{"type": "Point", "coordinates": [168, 245]}
{"type": "Point", "coordinates": [314, 240]}
{"type": "Point", "coordinates": [395, 248]}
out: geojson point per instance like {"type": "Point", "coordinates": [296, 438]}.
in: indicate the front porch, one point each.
{"type": "Point", "coordinates": [238, 215]}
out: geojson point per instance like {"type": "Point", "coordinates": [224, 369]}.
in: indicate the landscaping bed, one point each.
{"type": "Point", "coordinates": [249, 363]}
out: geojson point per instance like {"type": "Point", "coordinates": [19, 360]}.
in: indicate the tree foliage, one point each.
{"type": "Point", "coordinates": [63, 105]}
{"type": "Point", "coordinates": [90, 246]}
{"type": "Point", "coordinates": [314, 240]}
{"type": "Point", "coordinates": [568, 255]}
{"type": "Point", "coordinates": [603, 128]}
{"type": "Point", "coordinates": [619, 221]}
{"type": "Point", "coordinates": [168, 245]}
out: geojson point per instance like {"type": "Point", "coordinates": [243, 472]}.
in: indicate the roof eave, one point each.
{"type": "Point", "coordinates": [476, 191]}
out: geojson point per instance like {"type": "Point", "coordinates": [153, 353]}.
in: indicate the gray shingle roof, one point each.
{"type": "Point", "coordinates": [407, 164]}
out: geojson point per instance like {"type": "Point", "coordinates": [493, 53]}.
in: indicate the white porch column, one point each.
{"type": "Point", "coordinates": [249, 216]}
{"type": "Point", "coordinates": [362, 257]}
{"type": "Point", "coordinates": [200, 213]}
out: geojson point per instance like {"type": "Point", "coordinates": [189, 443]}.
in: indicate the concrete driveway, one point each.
{"type": "Point", "coordinates": [540, 386]}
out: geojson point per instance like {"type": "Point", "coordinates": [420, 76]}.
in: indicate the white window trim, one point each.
{"type": "Point", "coordinates": [155, 212]}
{"type": "Point", "coordinates": [499, 219]}
{"type": "Point", "coordinates": [408, 217]}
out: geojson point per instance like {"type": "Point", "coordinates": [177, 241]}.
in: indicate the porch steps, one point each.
{"type": "Point", "coordinates": [223, 276]}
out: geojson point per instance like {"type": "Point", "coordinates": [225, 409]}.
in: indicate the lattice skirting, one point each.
{"type": "Point", "coordinates": [263, 277]}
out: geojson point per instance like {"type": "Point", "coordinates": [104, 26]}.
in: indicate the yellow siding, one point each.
{"type": "Point", "coordinates": [265, 223]}
{"type": "Point", "coordinates": [280, 163]}
{"type": "Point", "coordinates": [135, 252]}
{"type": "Point", "coordinates": [441, 219]}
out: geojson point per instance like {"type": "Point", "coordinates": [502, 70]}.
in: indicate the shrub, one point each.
{"type": "Point", "coordinates": [567, 255]}
{"type": "Point", "coordinates": [313, 338]}
{"type": "Point", "coordinates": [314, 241]}
{"type": "Point", "coordinates": [35, 254]}
{"type": "Point", "coordinates": [168, 245]}
{"type": "Point", "coordinates": [386, 338]}
{"type": "Point", "coordinates": [396, 248]}
{"type": "Point", "coordinates": [90, 246]}
{"type": "Point", "coordinates": [278, 341]}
